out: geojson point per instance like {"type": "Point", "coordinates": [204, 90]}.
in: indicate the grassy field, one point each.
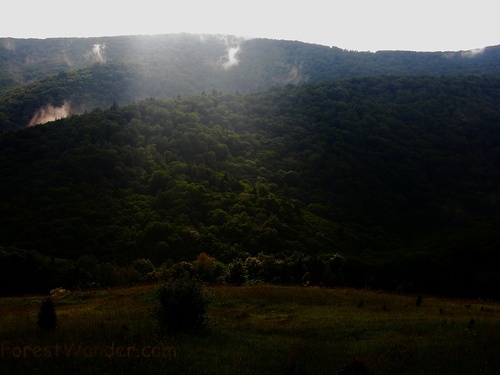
{"type": "Point", "coordinates": [260, 329]}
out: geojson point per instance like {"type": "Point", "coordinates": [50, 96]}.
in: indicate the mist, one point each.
{"type": "Point", "coordinates": [231, 57]}
{"type": "Point", "coordinates": [96, 54]}
{"type": "Point", "coordinates": [50, 113]}
{"type": "Point", "coordinates": [233, 47]}
{"type": "Point", "coordinates": [472, 52]}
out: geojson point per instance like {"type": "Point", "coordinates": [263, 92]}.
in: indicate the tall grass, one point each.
{"type": "Point", "coordinates": [256, 330]}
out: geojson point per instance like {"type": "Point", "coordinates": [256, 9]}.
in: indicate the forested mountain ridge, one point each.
{"type": "Point", "coordinates": [60, 77]}
{"type": "Point", "coordinates": [396, 175]}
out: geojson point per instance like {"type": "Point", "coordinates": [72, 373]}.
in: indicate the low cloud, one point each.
{"type": "Point", "coordinates": [294, 75]}
{"type": "Point", "coordinates": [472, 52]}
{"type": "Point", "coordinates": [97, 53]}
{"type": "Point", "coordinates": [50, 113]}
{"type": "Point", "coordinates": [9, 44]}
{"type": "Point", "coordinates": [232, 60]}
{"type": "Point", "coordinates": [233, 47]}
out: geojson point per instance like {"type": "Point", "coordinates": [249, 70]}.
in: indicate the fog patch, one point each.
{"type": "Point", "coordinates": [289, 74]}
{"type": "Point", "coordinates": [66, 59]}
{"type": "Point", "coordinates": [29, 60]}
{"type": "Point", "coordinates": [9, 44]}
{"type": "Point", "coordinates": [472, 52]}
{"type": "Point", "coordinates": [232, 60]}
{"type": "Point", "coordinates": [232, 49]}
{"type": "Point", "coordinates": [295, 75]}
{"type": "Point", "coordinates": [97, 53]}
{"type": "Point", "coordinates": [50, 113]}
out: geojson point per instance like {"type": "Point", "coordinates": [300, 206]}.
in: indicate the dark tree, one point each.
{"type": "Point", "coordinates": [47, 318]}
{"type": "Point", "coordinates": [237, 273]}
{"type": "Point", "coordinates": [181, 306]}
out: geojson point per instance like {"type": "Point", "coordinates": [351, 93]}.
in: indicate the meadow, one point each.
{"type": "Point", "coordinates": [259, 329]}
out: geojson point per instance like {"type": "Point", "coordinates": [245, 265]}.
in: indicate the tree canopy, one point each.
{"type": "Point", "coordinates": [397, 175]}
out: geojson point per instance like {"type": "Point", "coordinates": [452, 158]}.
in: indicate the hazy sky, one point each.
{"type": "Point", "coordinates": [423, 25]}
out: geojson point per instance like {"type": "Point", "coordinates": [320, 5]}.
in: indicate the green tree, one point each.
{"type": "Point", "coordinates": [237, 273]}
{"type": "Point", "coordinates": [207, 268]}
{"type": "Point", "coordinates": [181, 306]}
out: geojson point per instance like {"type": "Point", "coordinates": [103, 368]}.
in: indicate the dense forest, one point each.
{"type": "Point", "coordinates": [80, 74]}
{"type": "Point", "coordinates": [388, 182]}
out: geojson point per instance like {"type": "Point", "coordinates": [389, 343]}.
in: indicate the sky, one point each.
{"type": "Point", "coordinates": [362, 25]}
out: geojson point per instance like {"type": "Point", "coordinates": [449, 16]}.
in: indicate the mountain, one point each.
{"type": "Point", "coordinates": [41, 80]}
{"type": "Point", "coordinates": [396, 175]}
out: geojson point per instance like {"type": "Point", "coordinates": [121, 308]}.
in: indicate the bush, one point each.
{"type": "Point", "coordinates": [181, 306]}
{"type": "Point", "coordinates": [143, 267]}
{"type": "Point", "coordinates": [207, 268]}
{"type": "Point", "coordinates": [237, 273]}
{"type": "Point", "coordinates": [47, 318]}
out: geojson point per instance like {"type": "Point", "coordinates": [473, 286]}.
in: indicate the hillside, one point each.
{"type": "Point", "coordinates": [396, 175]}
{"type": "Point", "coordinates": [52, 78]}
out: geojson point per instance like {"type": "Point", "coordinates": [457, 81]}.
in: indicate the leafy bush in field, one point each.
{"type": "Point", "coordinates": [47, 318]}
{"type": "Point", "coordinates": [237, 273]}
{"type": "Point", "coordinates": [181, 306]}
{"type": "Point", "coordinates": [208, 269]}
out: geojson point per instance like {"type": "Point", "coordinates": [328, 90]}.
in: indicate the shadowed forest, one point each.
{"type": "Point", "coordinates": [386, 182]}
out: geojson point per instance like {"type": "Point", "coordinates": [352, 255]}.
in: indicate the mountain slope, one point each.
{"type": "Point", "coordinates": [398, 174]}
{"type": "Point", "coordinates": [165, 66]}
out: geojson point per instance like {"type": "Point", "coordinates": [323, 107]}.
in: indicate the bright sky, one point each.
{"type": "Point", "coordinates": [423, 25]}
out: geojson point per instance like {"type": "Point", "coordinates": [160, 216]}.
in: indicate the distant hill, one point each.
{"type": "Point", "coordinates": [50, 78]}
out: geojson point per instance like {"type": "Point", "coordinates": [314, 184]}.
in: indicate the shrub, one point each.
{"type": "Point", "coordinates": [306, 279]}
{"type": "Point", "coordinates": [182, 270]}
{"type": "Point", "coordinates": [207, 268]}
{"type": "Point", "coordinates": [181, 306]}
{"type": "Point", "coordinates": [237, 273]}
{"type": "Point", "coordinates": [47, 318]}
{"type": "Point", "coordinates": [143, 267]}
